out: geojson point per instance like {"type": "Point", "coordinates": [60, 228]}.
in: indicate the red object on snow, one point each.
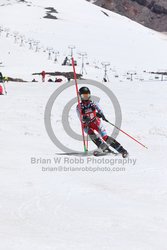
{"type": "Point", "coordinates": [1, 90]}
{"type": "Point", "coordinates": [43, 73]}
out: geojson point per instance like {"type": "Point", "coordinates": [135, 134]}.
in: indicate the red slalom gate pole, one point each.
{"type": "Point", "coordinates": [87, 142]}
{"type": "Point", "coordinates": [77, 92]}
{"type": "Point", "coordinates": [127, 134]}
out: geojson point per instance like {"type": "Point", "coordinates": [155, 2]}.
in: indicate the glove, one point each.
{"type": "Point", "coordinates": [100, 115]}
{"type": "Point", "coordinates": [86, 119]}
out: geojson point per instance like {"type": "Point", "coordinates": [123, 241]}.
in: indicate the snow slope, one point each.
{"type": "Point", "coordinates": [42, 209]}
{"type": "Point", "coordinates": [82, 210]}
{"type": "Point", "coordinates": [115, 38]}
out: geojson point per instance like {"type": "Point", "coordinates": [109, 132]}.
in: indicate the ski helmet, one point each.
{"type": "Point", "coordinates": [84, 93]}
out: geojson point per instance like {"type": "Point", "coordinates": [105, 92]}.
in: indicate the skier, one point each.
{"type": "Point", "coordinates": [65, 61]}
{"type": "Point", "coordinates": [1, 90]}
{"type": "Point", "coordinates": [90, 114]}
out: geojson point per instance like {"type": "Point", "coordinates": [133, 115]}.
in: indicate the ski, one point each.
{"type": "Point", "coordinates": [95, 153]}
{"type": "Point", "coordinates": [98, 153]}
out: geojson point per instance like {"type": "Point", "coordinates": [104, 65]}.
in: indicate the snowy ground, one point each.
{"type": "Point", "coordinates": [46, 206]}
{"type": "Point", "coordinates": [123, 209]}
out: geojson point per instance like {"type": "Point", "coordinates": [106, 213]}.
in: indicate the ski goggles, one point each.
{"type": "Point", "coordinates": [85, 97]}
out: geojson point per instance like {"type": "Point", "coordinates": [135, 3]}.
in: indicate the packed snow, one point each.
{"type": "Point", "coordinates": [53, 202]}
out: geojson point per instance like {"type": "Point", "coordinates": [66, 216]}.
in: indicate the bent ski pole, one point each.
{"type": "Point", "coordinates": [126, 133]}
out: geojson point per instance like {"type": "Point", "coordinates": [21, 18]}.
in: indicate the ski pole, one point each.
{"type": "Point", "coordinates": [126, 133]}
{"type": "Point", "coordinates": [79, 106]}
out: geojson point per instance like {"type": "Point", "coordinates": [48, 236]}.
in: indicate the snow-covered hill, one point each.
{"type": "Point", "coordinates": [110, 38]}
{"type": "Point", "coordinates": [116, 204]}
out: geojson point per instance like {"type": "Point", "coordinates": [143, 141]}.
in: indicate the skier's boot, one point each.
{"type": "Point", "coordinates": [117, 146]}
{"type": "Point", "coordinates": [124, 153]}
{"type": "Point", "coordinates": [102, 149]}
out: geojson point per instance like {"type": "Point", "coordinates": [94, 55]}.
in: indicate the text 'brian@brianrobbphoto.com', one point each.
{"type": "Point", "coordinates": [82, 164]}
